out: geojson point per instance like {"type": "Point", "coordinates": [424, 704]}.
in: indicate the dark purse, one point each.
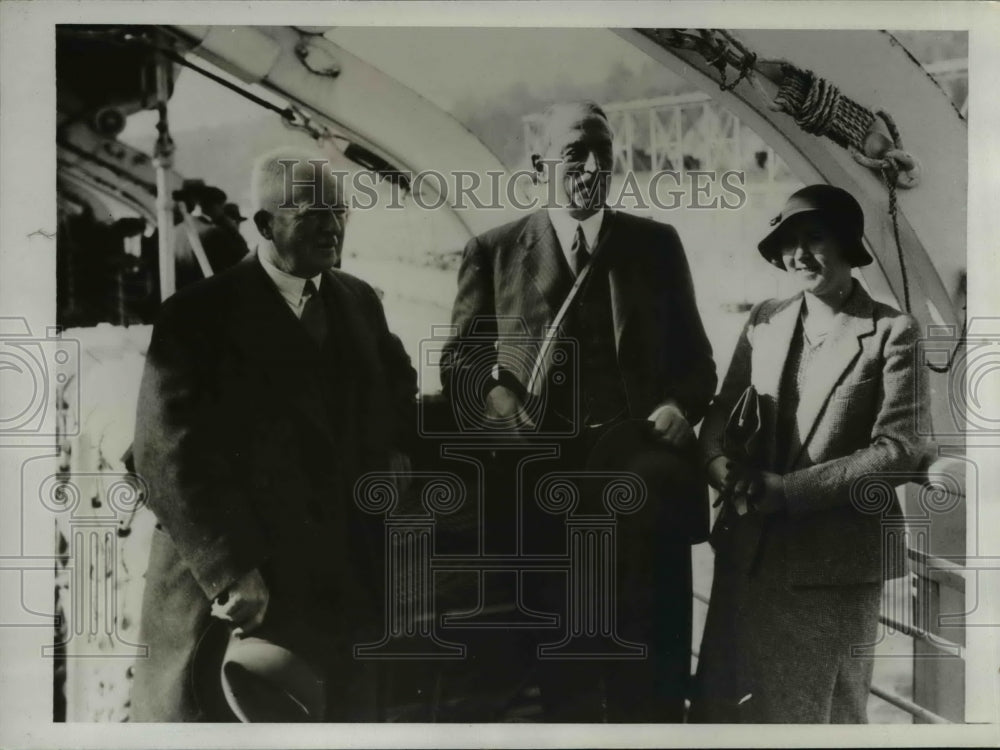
{"type": "Point", "coordinates": [741, 443]}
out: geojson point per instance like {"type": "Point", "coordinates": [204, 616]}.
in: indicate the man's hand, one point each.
{"type": "Point", "coordinates": [504, 406]}
{"type": "Point", "coordinates": [244, 603]}
{"type": "Point", "coordinates": [671, 427]}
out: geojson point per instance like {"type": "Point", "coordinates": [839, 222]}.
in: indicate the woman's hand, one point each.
{"type": "Point", "coordinates": [746, 488]}
{"type": "Point", "coordinates": [723, 474]}
{"type": "Point", "coordinates": [771, 495]}
{"type": "Point", "coordinates": [718, 471]}
{"type": "Point", "coordinates": [763, 491]}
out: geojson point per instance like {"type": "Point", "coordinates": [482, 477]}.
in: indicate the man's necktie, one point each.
{"type": "Point", "coordinates": [579, 254]}
{"type": "Point", "coordinates": [314, 313]}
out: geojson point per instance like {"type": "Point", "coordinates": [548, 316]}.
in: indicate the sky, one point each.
{"type": "Point", "coordinates": [426, 59]}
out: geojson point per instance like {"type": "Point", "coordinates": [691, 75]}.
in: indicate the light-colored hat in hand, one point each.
{"type": "Point", "coordinates": [263, 681]}
{"type": "Point", "coordinates": [254, 679]}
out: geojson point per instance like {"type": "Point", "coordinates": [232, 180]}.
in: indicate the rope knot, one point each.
{"type": "Point", "coordinates": [886, 155]}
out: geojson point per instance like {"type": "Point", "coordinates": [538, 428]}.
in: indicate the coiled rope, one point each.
{"type": "Point", "coordinates": [820, 108]}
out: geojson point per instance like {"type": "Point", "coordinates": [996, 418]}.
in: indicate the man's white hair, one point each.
{"type": "Point", "coordinates": [271, 172]}
{"type": "Point", "coordinates": [557, 115]}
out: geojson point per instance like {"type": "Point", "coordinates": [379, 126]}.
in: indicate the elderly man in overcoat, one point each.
{"type": "Point", "coordinates": [268, 390]}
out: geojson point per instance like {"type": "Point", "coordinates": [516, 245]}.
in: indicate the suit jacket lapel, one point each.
{"type": "Point", "coordinates": [347, 323]}
{"type": "Point", "coordinates": [842, 347]}
{"type": "Point", "coordinates": [275, 340]}
{"type": "Point", "coordinates": [771, 342]}
{"type": "Point", "coordinates": [265, 323]}
{"type": "Point", "coordinates": [545, 264]}
{"type": "Point", "coordinates": [543, 260]}
{"type": "Point", "coordinates": [609, 252]}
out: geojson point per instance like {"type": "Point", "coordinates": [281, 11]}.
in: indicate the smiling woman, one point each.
{"type": "Point", "coordinates": [818, 240]}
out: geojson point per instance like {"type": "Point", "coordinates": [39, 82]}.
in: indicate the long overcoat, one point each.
{"type": "Point", "coordinates": [250, 437]}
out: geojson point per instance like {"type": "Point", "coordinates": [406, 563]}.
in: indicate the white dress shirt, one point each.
{"type": "Point", "coordinates": [290, 287]}
{"type": "Point", "coordinates": [565, 226]}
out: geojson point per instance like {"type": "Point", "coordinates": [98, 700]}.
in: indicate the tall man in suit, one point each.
{"type": "Point", "coordinates": [642, 354]}
{"type": "Point", "coordinates": [268, 389]}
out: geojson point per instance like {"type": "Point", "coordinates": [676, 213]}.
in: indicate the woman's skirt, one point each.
{"type": "Point", "coordinates": [776, 653]}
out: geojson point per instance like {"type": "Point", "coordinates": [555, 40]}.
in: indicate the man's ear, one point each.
{"type": "Point", "coordinates": [263, 221]}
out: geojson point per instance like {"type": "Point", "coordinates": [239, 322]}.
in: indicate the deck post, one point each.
{"type": "Point", "coordinates": [163, 159]}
